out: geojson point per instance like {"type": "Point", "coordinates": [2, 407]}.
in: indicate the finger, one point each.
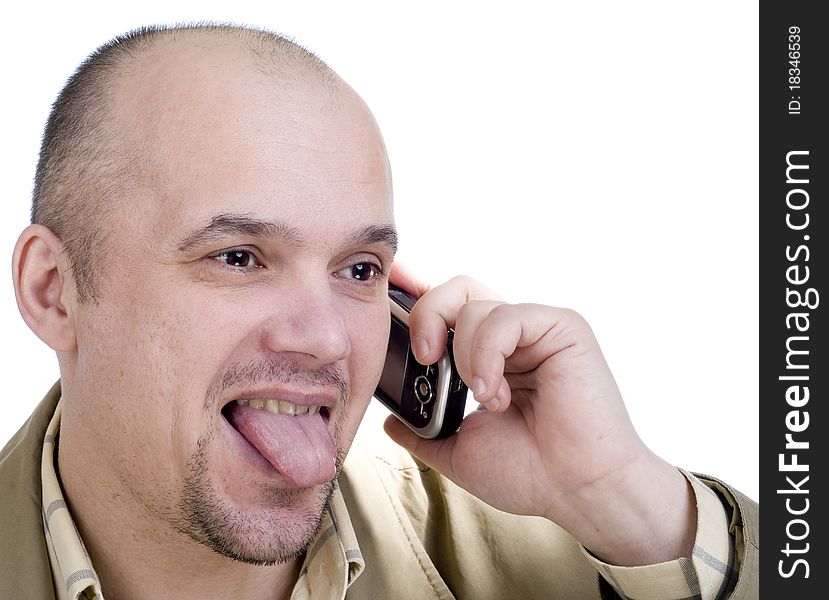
{"type": "Point", "coordinates": [492, 342]}
{"type": "Point", "coordinates": [530, 332]}
{"type": "Point", "coordinates": [405, 279]}
{"type": "Point", "coordinates": [469, 319]}
{"type": "Point", "coordinates": [435, 453]}
{"type": "Point", "coordinates": [502, 399]}
{"type": "Point", "coordinates": [437, 311]}
{"type": "Point", "coordinates": [500, 402]}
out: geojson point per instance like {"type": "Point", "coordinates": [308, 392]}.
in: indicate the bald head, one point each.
{"type": "Point", "coordinates": [124, 106]}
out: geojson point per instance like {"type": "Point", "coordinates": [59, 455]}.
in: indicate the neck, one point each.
{"type": "Point", "coordinates": [137, 555]}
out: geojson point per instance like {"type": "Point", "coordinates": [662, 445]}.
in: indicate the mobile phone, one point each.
{"type": "Point", "coordinates": [428, 399]}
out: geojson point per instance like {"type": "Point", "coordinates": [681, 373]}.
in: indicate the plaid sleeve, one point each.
{"type": "Point", "coordinates": [710, 573]}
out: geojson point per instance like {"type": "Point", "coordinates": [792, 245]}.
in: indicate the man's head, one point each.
{"type": "Point", "coordinates": [86, 162]}
{"type": "Point", "coordinates": [213, 224]}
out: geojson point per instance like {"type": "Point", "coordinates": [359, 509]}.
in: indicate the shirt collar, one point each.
{"type": "Point", "coordinates": [72, 572]}
{"type": "Point", "coordinates": [332, 562]}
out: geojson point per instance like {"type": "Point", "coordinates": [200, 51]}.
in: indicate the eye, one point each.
{"type": "Point", "coordinates": [238, 258]}
{"type": "Point", "coordinates": [362, 271]}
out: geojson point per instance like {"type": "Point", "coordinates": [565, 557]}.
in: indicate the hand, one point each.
{"type": "Point", "coordinates": [555, 439]}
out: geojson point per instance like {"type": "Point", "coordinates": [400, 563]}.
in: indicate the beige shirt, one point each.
{"type": "Point", "coordinates": [334, 561]}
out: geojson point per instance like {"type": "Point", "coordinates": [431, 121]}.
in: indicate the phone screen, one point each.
{"type": "Point", "coordinates": [397, 357]}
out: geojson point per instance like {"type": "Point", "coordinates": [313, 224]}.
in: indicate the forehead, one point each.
{"type": "Point", "coordinates": [213, 133]}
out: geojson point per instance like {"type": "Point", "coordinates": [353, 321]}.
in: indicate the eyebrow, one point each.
{"type": "Point", "coordinates": [226, 224]}
{"type": "Point", "coordinates": [374, 234]}
{"type": "Point", "coordinates": [229, 224]}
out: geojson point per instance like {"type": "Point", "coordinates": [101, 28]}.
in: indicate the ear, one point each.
{"type": "Point", "coordinates": [38, 270]}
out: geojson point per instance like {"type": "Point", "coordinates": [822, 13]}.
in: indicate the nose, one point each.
{"type": "Point", "coordinates": [307, 319]}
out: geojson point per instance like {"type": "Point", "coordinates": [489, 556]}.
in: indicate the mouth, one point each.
{"type": "Point", "coordinates": [280, 407]}
{"type": "Point", "coordinates": [292, 435]}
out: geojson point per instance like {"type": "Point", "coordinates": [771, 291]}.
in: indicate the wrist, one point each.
{"type": "Point", "coordinates": [643, 514]}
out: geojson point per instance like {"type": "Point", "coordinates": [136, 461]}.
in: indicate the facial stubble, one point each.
{"type": "Point", "coordinates": [281, 532]}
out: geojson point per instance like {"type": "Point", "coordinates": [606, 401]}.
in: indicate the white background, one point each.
{"type": "Point", "coordinates": [600, 156]}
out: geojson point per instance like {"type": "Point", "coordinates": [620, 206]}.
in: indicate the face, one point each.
{"type": "Point", "coordinates": [244, 280]}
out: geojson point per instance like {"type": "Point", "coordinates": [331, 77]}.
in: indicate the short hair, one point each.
{"type": "Point", "coordinates": [83, 167]}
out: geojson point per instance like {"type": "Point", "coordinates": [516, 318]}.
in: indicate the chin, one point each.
{"type": "Point", "coordinates": [270, 534]}
{"type": "Point", "coordinates": [276, 528]}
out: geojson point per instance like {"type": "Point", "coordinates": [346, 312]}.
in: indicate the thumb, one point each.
{"type": "Point", "coordinates": [437, 454]}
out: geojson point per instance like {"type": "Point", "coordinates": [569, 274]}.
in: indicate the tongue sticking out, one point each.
{"type": "Point", "coordinates": [299, 447]}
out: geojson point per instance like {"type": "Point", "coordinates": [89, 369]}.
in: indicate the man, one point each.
{"type": "Point", "coordinates": [211, 244]}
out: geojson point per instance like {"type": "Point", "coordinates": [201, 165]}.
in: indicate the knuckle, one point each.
{"type": "Point", "coordinates": [461, 279]}
{"type": "Point", "coordinates": [465, 310]}
{"type": "Point", "coordinates": [576, 323]}
{"type": "Point", "coordinates": [575, 318]}
{"type": "Point", "coordinates": [503, 311]}
{"type": "Point", "coordinates": [470, 311]}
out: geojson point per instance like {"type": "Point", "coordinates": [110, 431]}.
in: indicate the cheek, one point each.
{"type": "Point", "coordinates": [369, 343]}
{"type": "Point", "coordinates": [154, 357]}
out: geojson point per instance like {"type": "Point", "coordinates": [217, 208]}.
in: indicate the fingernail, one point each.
{"type": "Point", "coordinates": [478, 387]}
{"type": "Point", "coordinates": [494, 403]}
{"type": "Point", "coordinates": [421, 346]}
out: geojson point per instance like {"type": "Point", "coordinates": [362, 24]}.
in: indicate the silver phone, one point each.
{"type": "Point", "coordinates": [429, 399]}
